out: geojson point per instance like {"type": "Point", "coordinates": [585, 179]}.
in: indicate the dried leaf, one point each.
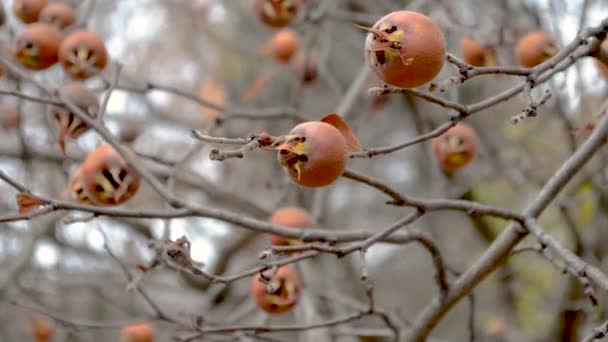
{"type": "Point", "coordinates": [351, 138]}
{"type": "Point", "coordinates": [27, 202]}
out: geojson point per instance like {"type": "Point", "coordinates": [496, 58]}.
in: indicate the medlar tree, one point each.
{"type": "Point", "coordinates": [312, 170]}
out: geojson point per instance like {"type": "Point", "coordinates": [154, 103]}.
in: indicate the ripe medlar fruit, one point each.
{"type": "Point", "coordinates": [405, 49]}
{"type": "Point", "coordinates": [37, 46]}
{"type": "Point", "coordinates": [142, 332]}
{"type": "Point", "coordinates": [28, 10]}
{"type": "Point", "coordinates": [455, 148]}
{"type": "Point", "coordinates": [535, 48]}
{"type": "Point", "coordinates": [284, 45]}
{"type": "Point", "coordinates": [281, 294]}
{"type": "Point", "coordinates": [83, 54]}
{"type": "Point", "coordinates": [315, 153]}
{"type": "Point", "coordinates": [475, 54]}
{"type": "Point", "coordinates": [58, 14]}
{"type": "Point", "coordinates": [107, 178]}
{"type": "Point", "coordinates": [68, 124]}
{"type": "Point", "coordinates": [291, 217]}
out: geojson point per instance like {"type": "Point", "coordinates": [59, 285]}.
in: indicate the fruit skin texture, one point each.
{"type": "Point", "coordinates": [68, 124]}
{"type": "Point", "coordinates": [276, 13]}
{"type": "Point", "coordinates": [107, 178]}
{"type": "Point", "coordinates": [475, 54]}
{"type": "Point", "coordinates": [81, 49]}
{"type": "Point", "coordinates": [405, 49]}
{"type": "Point", "coordinates": [37, 46]}
{"type": "Point", "coordinates": [288, 287]}
{"type": "Point", "coordinates": [28, 10]}
{"type": "Point", "coordinates": [284, 45]}
{"type": "Point", "coordinates": [142, 332]}
{"type": "Point", "coordinates": [291, 217]}
{"type": "Point", "coordinates": [455, 148]}
{"type": "Point", "coordinates": [58, 14]}
{"type": "Point", "coordinates": [534, 48]}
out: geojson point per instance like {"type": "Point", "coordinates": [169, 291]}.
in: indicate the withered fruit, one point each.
{"type": "Point", "coordinates": [291, 217]}
{"type": "Point", "coordinates": [276, 13]}
{"type": "Point", "coordinates": [455, 148]}
{"type": "Point", "coordinates": [58, 14]}
{"type": "Point", "coordinates": [83, 54]}
{"type": "Point", "coordinates": [477, 55]}
{"type": "Point", "coordinates": [281, 294]}
{"type": "Point", "coordinates": [107, 178]}
{"type": "Point", "coordinates": [37, 46]}
{"type": "Point", "coordinates": [28, 10]}
{"type": "Point", "coordinates": [405, 49]}
{"type": "Point", "coordinates": [535, 48]}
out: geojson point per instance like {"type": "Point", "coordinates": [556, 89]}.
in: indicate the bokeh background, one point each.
{"type": "Point", "coordinates": [209, 48]}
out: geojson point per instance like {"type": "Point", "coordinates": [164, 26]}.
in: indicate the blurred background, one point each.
{"type": "Point", "coordinates": [211, 49]}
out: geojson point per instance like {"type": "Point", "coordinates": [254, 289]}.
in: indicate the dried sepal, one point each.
{"type": "Point", "coordinates": [352, 141]}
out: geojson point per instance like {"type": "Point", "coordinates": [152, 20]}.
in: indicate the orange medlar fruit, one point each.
{"type": "Point", "coordinates": [42, 330]}
{"type": "Point", "coordinates": [281, 294]}
{"type": "Point", "coordinates": [142, 332]}
{"type": "Point", "coordinates": [107, 178]}
{"type": "Point", "coordinates": [37, 46]}
{"type": "Point", "coordinates": [28, 10]}
{"type": "Point", "coordinates": [68, 124]}
{"type": "Point", "coordinates": [83, 54]}
{"type": "Point", "coordinates": [283, 45]}
{"type": "Point", "coordinates": [455, 148]}
{"type": "Point", "coordinates": [477, 55]}
{"type": "Point", "coordinates": [276, 13]}
{"type": "Point", "coordinates": [535, 48]}
{"type": "Point", "coordinates": [290, 217]}
{"type": "Point", "coordinates": [315, 153]}
{"type": "Point", "coordinates": [58, 14]}
{"type": "Point", "coordinates": [405, 49]}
